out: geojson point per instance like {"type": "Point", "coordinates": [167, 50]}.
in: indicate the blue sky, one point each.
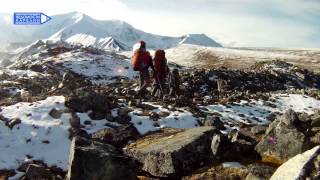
{"type": "Point", "coordinates": [255, 23]}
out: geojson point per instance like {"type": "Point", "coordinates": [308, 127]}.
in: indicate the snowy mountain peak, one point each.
{"type": "Point", "coordinates": [77, 27]}
{"type": "Point", "coordinates": [199, 39]}
{"type": "Point", "coordinates": [77, 16]}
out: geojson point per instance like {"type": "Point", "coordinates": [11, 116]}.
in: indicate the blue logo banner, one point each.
{"type": "Point", "coordinates": [30, 18]}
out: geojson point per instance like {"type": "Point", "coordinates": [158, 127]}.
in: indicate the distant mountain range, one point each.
{"type": "Point", "coordinates": [78, 28]}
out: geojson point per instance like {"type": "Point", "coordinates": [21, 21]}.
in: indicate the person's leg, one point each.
{"type": "Point", "coordinates": [155, 88]}
{"type": "Point", "coordinates": [144, 81]}
{"type": "Point", "coordinates": [162, 86]}
{"type": "Point", "coordinates": [165, 86]}
{"type": "Point", "coordinates": [141, 80]}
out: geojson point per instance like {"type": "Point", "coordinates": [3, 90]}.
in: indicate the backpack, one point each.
{"type": "Point", "coordinates": [160, 63]}
{"type": "Point", "coordinates": [140, 60]}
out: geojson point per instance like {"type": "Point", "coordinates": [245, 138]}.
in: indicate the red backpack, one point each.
{"type": "Point", "coordinates": [140, 60]}
{"type": "Point", "coordinates": [160, 63]}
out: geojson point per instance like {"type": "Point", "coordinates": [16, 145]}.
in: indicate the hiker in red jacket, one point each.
{"type": "Point", "coordinates": [161, 72]}
{"type": "Point", "coordinates": [141, 61]}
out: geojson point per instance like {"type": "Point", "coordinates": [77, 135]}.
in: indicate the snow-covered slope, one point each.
{"type": "Point", "coordinates": [77, 27]}
{"type": "Point", "coordinates": [96, 65]}
{"type": "Point", "coordinates": [101, 43]}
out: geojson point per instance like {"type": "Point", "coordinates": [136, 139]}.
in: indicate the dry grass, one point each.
{"type": "Point", "coordinates": [272, 161]}
{"type": "Point", "coordinates": [218, 172]}
{"type": "Point", "coordinates": [208, 59]}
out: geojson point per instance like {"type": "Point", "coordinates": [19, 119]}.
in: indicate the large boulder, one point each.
{"type": "Point", "coordinates": [172, 153]}
{"type": "Point", "coordinates": [284, 138]}
{"type": "Point", "coordinates": [93, 160]}
{"type": "Point", "coordinates": [302, 166]}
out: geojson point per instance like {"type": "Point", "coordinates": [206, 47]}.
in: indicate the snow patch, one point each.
{"type": "Point", "coordinates": [39, 135]}
{"type": "Point", "coordinates": [98, 68]}
{"type": "Point", "coordinates": [177, 119]}
{"type": "Point", "coordinates": [36, 127]}
{"type": "Point", "coordinates": [257, 111]}
{"type": "Point", "coordinates": [231, 165]}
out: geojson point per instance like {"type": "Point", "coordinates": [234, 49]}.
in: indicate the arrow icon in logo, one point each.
{"type": "Point", "coordinates": [45, 18]}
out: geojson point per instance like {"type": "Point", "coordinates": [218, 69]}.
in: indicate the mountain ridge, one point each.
{"type": "Point", "coordinates": [69, 26]}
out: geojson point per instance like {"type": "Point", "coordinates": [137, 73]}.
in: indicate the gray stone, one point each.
{"type": "Point", "coordinates": [163, 114]}
{"type": "Point", "coordinates": [316, 138]}
{"type": "Point", "coordinates": [123, 111]}
{"type": "Point", "coordinates": [214, 121]}
{"type": "Point", "coordinates": [35, 171]}
{"type": "Point", "coordinates": [123, 116]}
{"type": "Point", "coordinates": [289, 118]}
{"type": "Point", "coordinates": [260, 172]}
{"type": "Point", "coordinates": [13, 122]}
{"type": "Point", "coordinates": [271, 117]}
{"type": "Point", "coordinates": [97, 115]}
{"type": "Point", "coordinates": [237, 147]}
{"type": "Point", "coordinates": [55, 113]}
{"type": "Point", "coordinates": [93, 160]}
{"type": "Point", "coordinates": [118, 136]}
{"type": "Point", "coordinates": [73, 132]}
{"type": "Point", "coordinates": [257, 130]}
{"type": "Point", "coordinates": [222, 85]}
{"type": "Point", "coordinates": [75, 121]}
{"type": "Point", "coordinates": [315, 121]}
{"type": "Point", "coordinates": [173, 152]}
{"type": "Point", "coordinates": [83, 101]}
{"type": "Point", "coordinates": [216, 146]}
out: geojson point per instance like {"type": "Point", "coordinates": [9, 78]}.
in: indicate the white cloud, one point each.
{"type": "Point", "coordinates": [96, 8]}
{"type": "Point", "coordinates": [7, 19]}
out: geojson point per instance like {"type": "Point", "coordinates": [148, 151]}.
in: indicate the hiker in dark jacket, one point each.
{"type": "Point", "coordinates": [141, 61]}
{"type": "Point", "coordinates": [160, 74]}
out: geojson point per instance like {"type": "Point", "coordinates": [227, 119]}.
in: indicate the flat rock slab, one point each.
{"type": "Point", "coordinates": [299, 167]}
{"type": "Point", "coordinates": [172, 153]}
